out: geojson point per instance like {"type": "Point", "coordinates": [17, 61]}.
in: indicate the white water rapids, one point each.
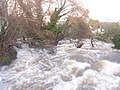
{"type": "Point", "coordinates": [63, 68]}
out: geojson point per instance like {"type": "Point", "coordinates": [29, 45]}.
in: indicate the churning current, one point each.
{"type": "Point", "coordinates": [63, 67]}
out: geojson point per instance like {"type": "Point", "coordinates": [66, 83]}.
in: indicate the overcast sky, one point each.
{"type": "Point", "coordinates": [104, 10]}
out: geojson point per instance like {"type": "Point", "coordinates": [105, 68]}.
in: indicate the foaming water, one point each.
{"type": "Point", "coordinates": [69, 68]}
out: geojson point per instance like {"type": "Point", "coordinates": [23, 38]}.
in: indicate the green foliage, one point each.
{"type": "Point", "coordinates": [53, 21]}
{"type": "Point", "coordinates": [94, 23]}
{"type": "Point", "coordinates": [91, 21]}
{"type": "Point", "coordinates": [52, 25]}
{"type": "Point", "coordinates": [58, 28]}
{"type": "Point", "coordinates": [5, 60]}
{"type": "Point", "coordinates": [78, 29]}
{"type": "Point", "coordinates": [2, 32]}
{"type": "Point", "coordinates": [110, 29]}
{"type": "Point", "coordinates": [116, 41]}
{"type": "Point", "coordinates": [3, 27]}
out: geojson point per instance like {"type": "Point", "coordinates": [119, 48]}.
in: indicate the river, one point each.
{"type": "Point", "coordinates": [63, 67]}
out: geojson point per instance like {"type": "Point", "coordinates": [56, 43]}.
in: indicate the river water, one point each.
{"type": "Point", "coordinates": [63, 67]}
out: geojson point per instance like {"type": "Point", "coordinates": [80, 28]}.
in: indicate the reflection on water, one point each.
{"type": "Point", "coordinates": [69, 68]}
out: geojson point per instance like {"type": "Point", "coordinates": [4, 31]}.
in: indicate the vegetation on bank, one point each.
{"type": "Point", "coordinates": [26, 20]}
{"type": "Point", "coordinates": [116, 41]}
{"type": "Point", "coordinates": [106, 31]}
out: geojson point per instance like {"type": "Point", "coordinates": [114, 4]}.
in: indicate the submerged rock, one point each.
{"type": "Point", "coordinates": [99, 65]}
{"type": "Point", "coordinates": [66, 78]}
{"type": "Point", "coordinates": [80, 73]}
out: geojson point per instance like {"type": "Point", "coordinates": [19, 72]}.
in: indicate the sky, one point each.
{"type": "Point", "coordinates": [103, 10]}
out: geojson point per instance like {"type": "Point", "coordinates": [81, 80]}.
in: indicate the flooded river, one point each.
{"type": "Point", "coordinates": [63, 67]}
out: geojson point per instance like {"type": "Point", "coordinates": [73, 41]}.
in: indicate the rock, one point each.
{"type": "Point", "coordinates": [80, 45]}
{"type": "Point", "coordinates": [80, 72]}
{"type": "Point", "coordinates": [99, 65]}
{"type": "Point", "coordinates": [12, 52]}
{"type": "Point", "coordinates": [66, 78]}
{"type": "Point", "coordinates": [73, 71]}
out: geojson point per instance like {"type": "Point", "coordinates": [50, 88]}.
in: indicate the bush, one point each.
{"type": "Point", "coordinates": [7, 56]}
{"type": "Point", "coordinates": [116, 41]}
{"type": "Point", "coordinates": [5, 60]}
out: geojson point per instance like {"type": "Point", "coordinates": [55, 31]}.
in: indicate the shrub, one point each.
{"type": "Point", "coordinates": [5, 60]}
{"type": "Point", "coordinates": [116, 41]}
